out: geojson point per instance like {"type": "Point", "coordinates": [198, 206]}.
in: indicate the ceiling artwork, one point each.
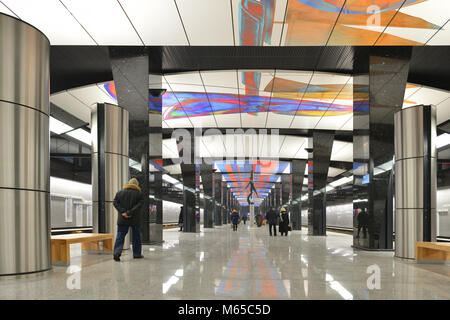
{"type": "Point", "coordinates": [238, 174]}
{"type": "Point", "coordinates": [237, 22]}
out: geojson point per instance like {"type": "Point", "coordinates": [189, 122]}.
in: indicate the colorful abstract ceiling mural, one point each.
{"type": "Point", "coordinates": [237, 175]}
{"type": "Point", "coordinates": [336, 22]}
{"type": "Point", "coordinates": [288, 98]}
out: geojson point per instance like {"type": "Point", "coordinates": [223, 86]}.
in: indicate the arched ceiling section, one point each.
{"type": "Point", "coordinates": [237, 22]}
{"type": "Point", "coordinates": [252, 99]}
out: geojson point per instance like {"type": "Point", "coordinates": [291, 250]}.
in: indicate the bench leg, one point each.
{"type": "Point", "coordinates": [60, 254]}
{"type": "Point", "coordinates": [108, 245]}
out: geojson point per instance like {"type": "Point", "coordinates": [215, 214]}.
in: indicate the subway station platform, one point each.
{"type": "Point", "coordinates": [248, 264]}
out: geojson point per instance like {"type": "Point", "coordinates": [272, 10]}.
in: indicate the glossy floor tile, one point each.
{"type": "Point", "coordinates": [248, 264]}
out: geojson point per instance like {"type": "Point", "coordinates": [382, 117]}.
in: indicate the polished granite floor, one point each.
{"type": "Point", "coordinates": [248, 264]}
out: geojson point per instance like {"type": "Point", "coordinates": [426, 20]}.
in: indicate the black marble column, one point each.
{"type": "Point", "coordinates": [206, 172]}
{"type": "Point", "coordinates": [319, 154]}
{"type": "Point", "coordinates": [377, 94]}
{"type": "Point", "coordinates": [130, 73]}
{"type": "Point", "coordinates": [286, 180]}
{"type": "Point", "coordinates": [223, 204]}
{"type": "Point", "coordinates": [190, 172]}
{"type": "Point", "coordinates": [229, 209]}
{"type": "Point", "coordinates": [217, 199]}
{"type": "Point", "coordinates": [277, 195]}
{"type": "Point", "coordinates": [298, 173]}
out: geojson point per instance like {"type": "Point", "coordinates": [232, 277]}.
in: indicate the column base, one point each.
{"type": "Point", "coordinates": [370, 249]}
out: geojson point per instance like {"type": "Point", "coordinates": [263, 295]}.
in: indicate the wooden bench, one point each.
{"type": "Point", "coordinates": [89, 241]}
{"type": "Point", "coordinates": [432, 251]}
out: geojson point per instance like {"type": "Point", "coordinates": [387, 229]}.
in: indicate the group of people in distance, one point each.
{"type": "Point", "coordinates": [129, 202]}
{"type": "Point", "coordinates": [273, 218]}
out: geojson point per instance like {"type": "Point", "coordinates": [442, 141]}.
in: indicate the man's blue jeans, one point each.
{"type": "Point", "coordinates": [122, 231]}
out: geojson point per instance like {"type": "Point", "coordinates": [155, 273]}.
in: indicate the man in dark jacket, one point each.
{"type": "Point", "coordinates": [363, 222]}
{"type": "Point", "coordinates": [128, 203]}
{"type": "Point", "coordinates": [180, 219]}
{"type": "Point", "coordinates": [235, 219]}
{"type": "Point", "coordinates": [272, 219]}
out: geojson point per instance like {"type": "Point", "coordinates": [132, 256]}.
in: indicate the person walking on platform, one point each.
{"type": "Point", "coordinates": [180, 219]}
{"type": "Point", "coordinates": [284, 222]}
{"type": "Point", "coordinates": [128, 202]}
{"type": "Point", "coordinates": [259, 219]}
{"type": "Point", "coordinates": [244, 218]}
{"type": "Point", "coordinates": [272, 219]}
{"type": "Point", "coordinates": [235, 219]}
{"type": "Point", "coordinates": [363, 222]}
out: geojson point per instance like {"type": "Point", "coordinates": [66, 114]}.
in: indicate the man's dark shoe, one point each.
{"type": "Point", "coordinates": [117, 257]}
{"type": "Point", "coordinates": [140, 257]}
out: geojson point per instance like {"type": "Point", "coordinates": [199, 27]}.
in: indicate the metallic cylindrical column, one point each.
{"type": "Point", "coordinates": [415, 178]}
{"type": "Point", "coordinates": [110, 163]}
{"type": "Point", "coordinates": [24, 148]}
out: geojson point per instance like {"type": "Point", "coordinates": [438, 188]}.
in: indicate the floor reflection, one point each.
{"type": "Point", "coordinates": [248, 264]}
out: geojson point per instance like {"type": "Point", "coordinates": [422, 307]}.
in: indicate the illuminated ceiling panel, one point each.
{"type": "Point", "coordinates": [4, 9]}
{"type": "Point", "coordinates": [416, 23]}
{"type": "Point", "coordinates": [104, 20]}
{"type": "Point", "coordinates": [156, 21]}
{"type": "Point", "coordinates": [309, 23]}
{"type": "Point", "coordinates": [72, 105]}
{"type": "Point", "coordinates": [258, 23]}
{"type": "Point", "coordinates": [207, 22]}
{"type": "Point", "coordinates": [53, 19]}
{"type": "Point", "coordinates": [238, 22]}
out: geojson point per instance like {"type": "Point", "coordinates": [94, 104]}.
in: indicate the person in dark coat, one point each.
{"type": "Point", "coordinates": [284, 222]}
{"type": "Point", "coordinates": [363, 222]}
{"type": "Point", "coordinates": [272, 220]}
{"type": "Point", "coordinates": [128, 203]}
{"type": "Point", "coordinates": [244, 217]}
{"type": "Point", "coordinates": [259, 219]}
{"type": "Point", "coordinates": [235, 219]}
{"type": "Point", "coordinates": [180, 219]}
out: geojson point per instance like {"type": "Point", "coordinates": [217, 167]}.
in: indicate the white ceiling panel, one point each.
{"type": "Point", "coordinates": [301, 153]}
{"type": "Point", "coordinates": [226, 79]}
{"type": "Point", "coordinates": [190, 78]}
{"type": "Point", "coordinates": [275, 120]}
{"type": "Point", "coordinates": [342, 151]}
{"type": "Point", "coordinates": [181, 87]}
{"type": "Point", "coordinates": [429, 96]}
{"type": "Point", "coordinates": [156, 21]}
{"type": "Point", "coordinates": [173, 169]}
{"type": "Point", "coordinates": [257, 120]}
{"type": "Point", "coordinates": [207, 22]}
{"type": "Point", "coordinates": [4, 9]}
{"type": "Point", "coordinates": [179, 123]}
{"type": "Point", "coordinates": [333, 172]}
{"type": "Point", "coordinates": [222, 90]}
{"type": "Point", "coordinates": [442, 37]}
{"type": "Point", "coordinates": [333, 122]}
{"type": "Point", "coordinates": [105, 21]}
{"type": "Point", "coordinates": [290, 146]}
{"type": "Point", "coordinates": [228, 120]}
{"type": "Point", "coordinates": [348, 125]}
{"type": "Point", "coordinates": [203, 122]}
{"type": "Point", "coordinates": [53, 19]}
{"type": "Point", "coordinates": [304, 122]}
{"type": "Point", "coordinates": [90, 95]}
{"type": "Point", "coordinates": [170, 147]}
{"type": "Point", "coordinates": [443, 111]}
{"type": "Point", "coordinates": [72, 105]}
